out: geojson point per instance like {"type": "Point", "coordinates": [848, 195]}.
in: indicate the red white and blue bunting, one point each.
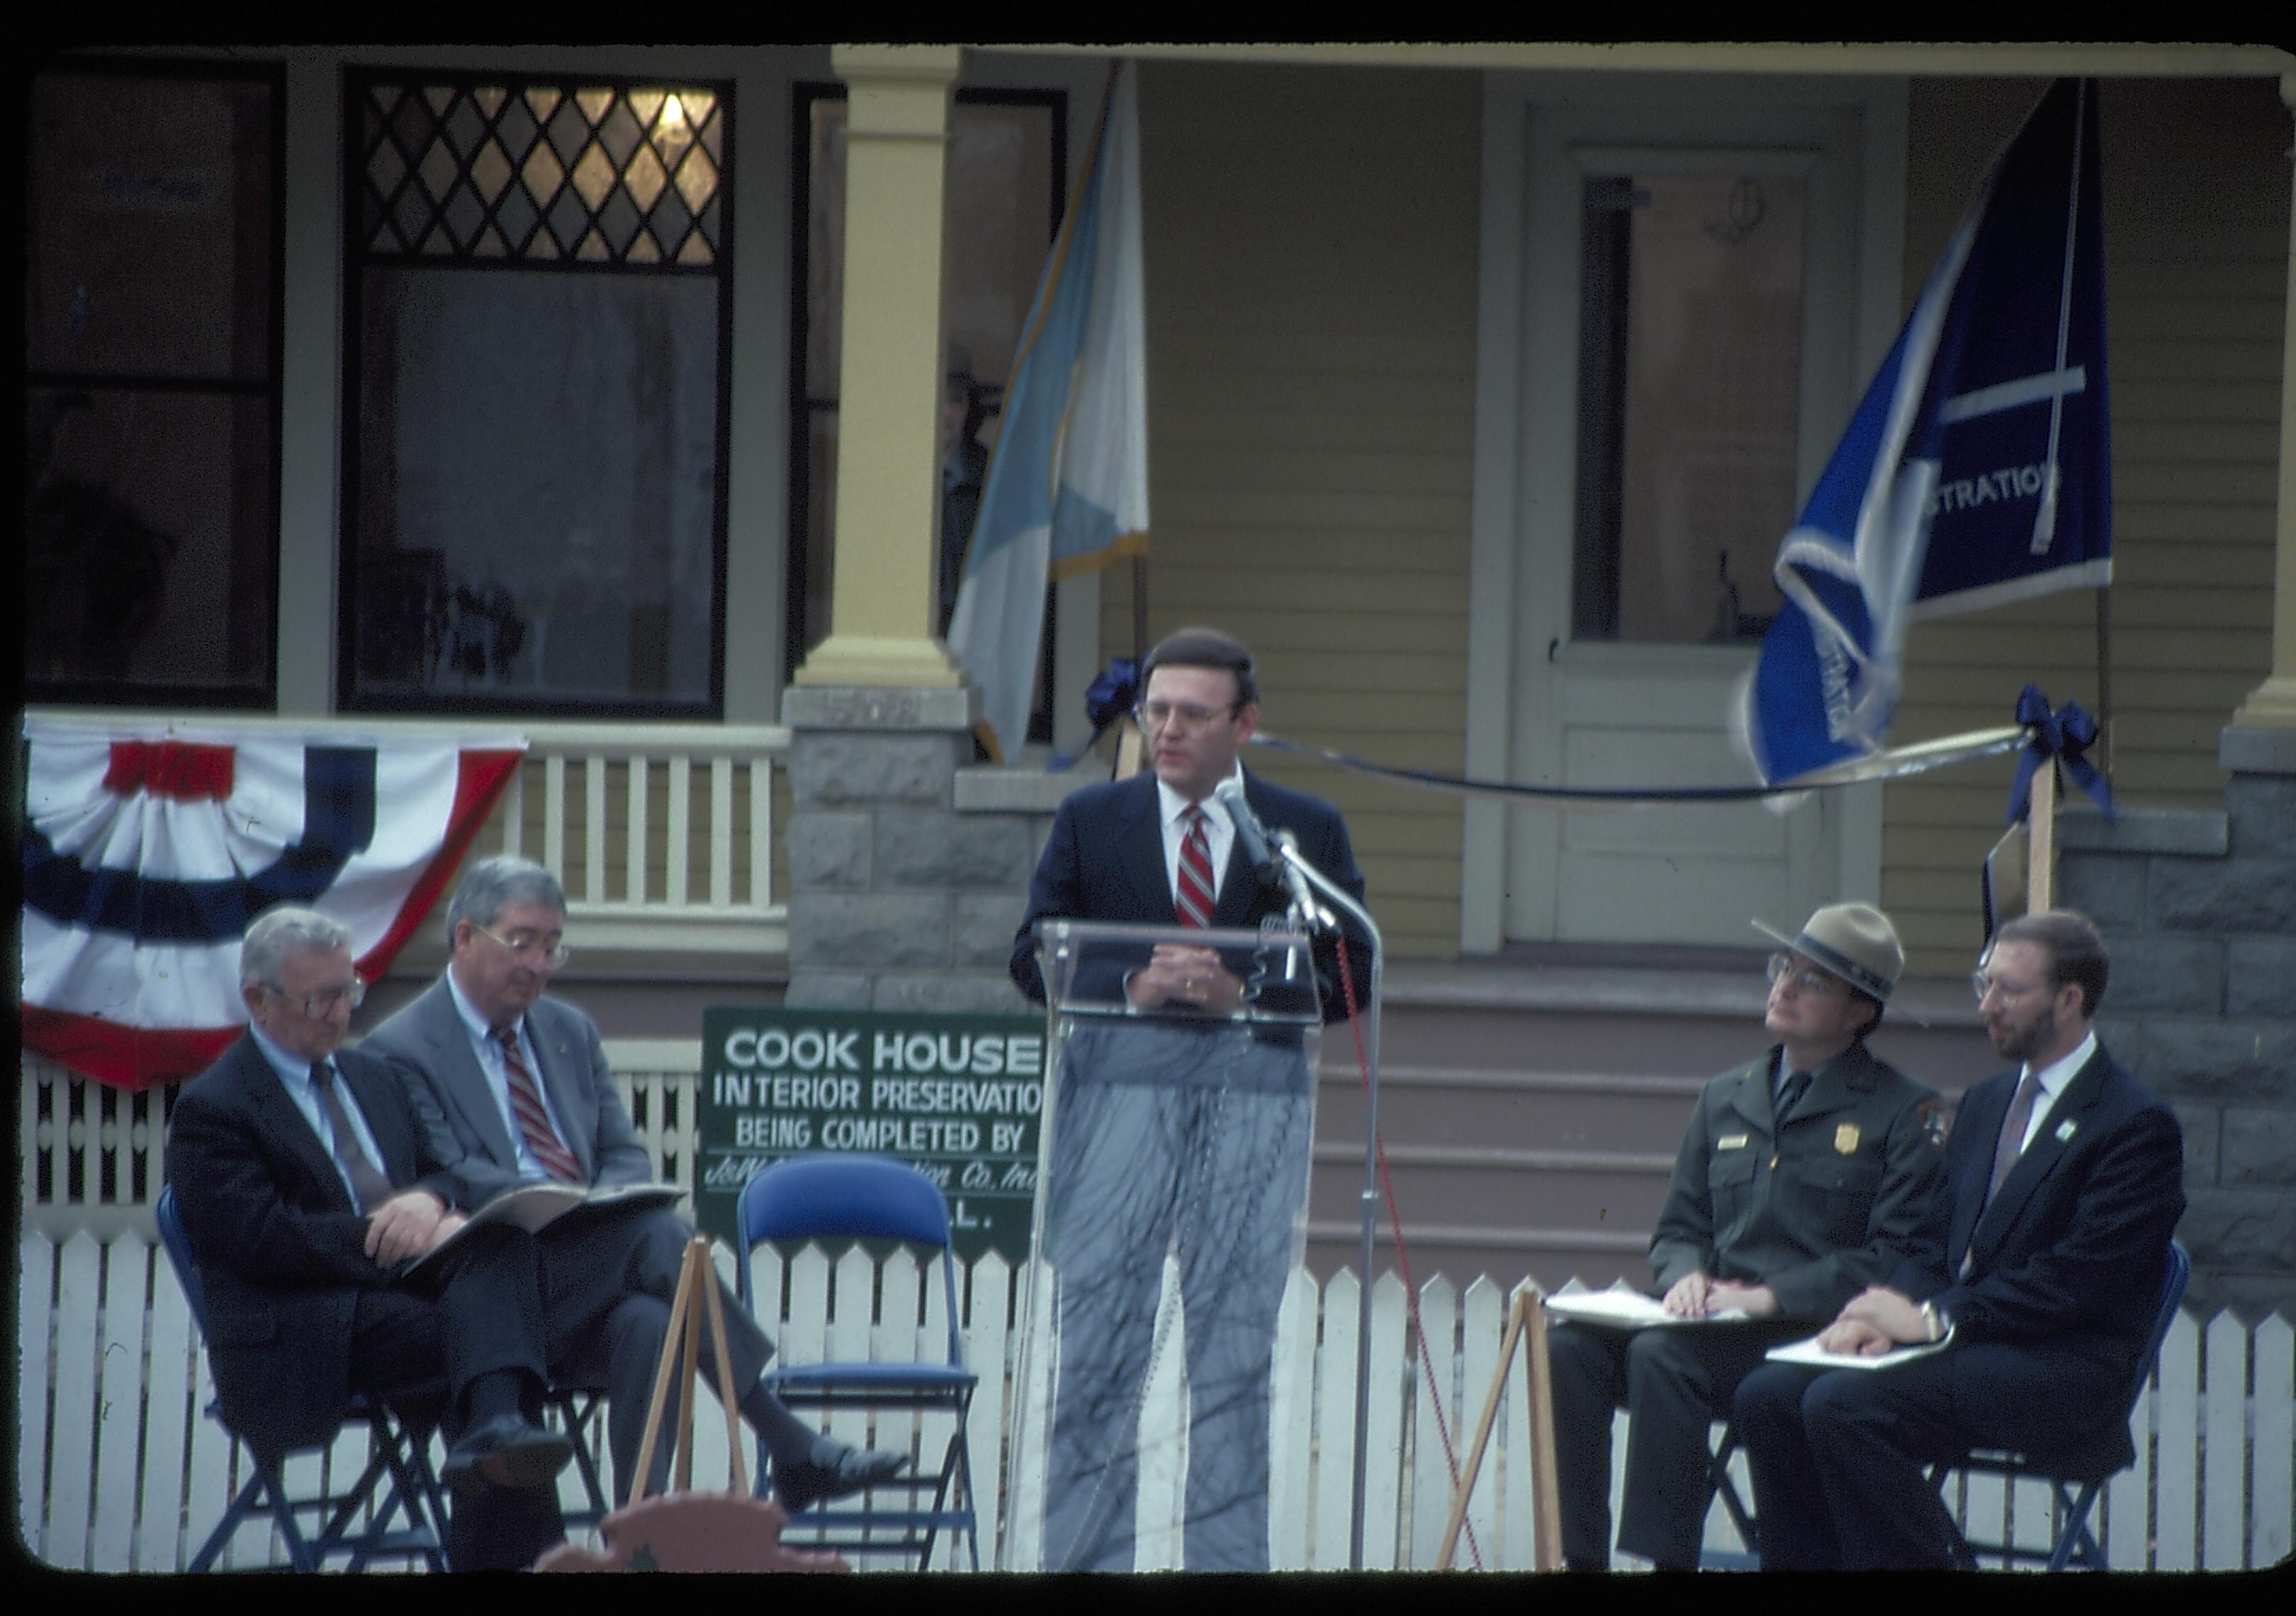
{"type": "Point", "coordinates": [146, 852]}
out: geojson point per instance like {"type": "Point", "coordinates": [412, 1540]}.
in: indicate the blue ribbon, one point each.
{"type": "Point", "coordinates": [1113, 693]}
{"type": "Point", "coordinates": [2063, 735]}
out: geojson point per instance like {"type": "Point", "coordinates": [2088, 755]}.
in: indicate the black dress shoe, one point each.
{"type": "Point", "coordinates": [831, 1470]}
{"type": "Point", "coordinates": [507, 1450]}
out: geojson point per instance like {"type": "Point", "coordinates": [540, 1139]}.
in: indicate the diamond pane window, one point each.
{"type": "Point", "coordinates": [536, 299]}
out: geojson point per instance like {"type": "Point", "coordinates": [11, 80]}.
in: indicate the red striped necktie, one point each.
{"type": "Point", "coordinates": [533, 1119]}
{"type": "Point", "coordinates": [1195, 902]}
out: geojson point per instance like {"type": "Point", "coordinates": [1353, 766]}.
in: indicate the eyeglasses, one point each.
{"type": "Point", "coordinates": [1157, 715]}
{"type": "Point", "coordinates": [1981, 984]}
{"type": "Point", "coordinates": [526, 947]}
{"type": "Point", "coordinates": [317, 1004]}
{"type": "Point", "coordinates": [1803, 981]}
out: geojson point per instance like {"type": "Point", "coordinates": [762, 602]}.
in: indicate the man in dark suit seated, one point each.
{"type": "Point", "coordinates": [2040, 1269]}
{"type": "Point", "coordinates": [1190, 1129]}
{"type": "Point", "coordinates": [306, 1180]}
{"type": "Point", "coordinates": [519, 1085]}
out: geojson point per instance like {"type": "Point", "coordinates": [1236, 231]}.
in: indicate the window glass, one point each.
{"type": "Point", "coordinates": [1689, 403]}
{"type": "Point", "coordinates": [536, 426]}
{"type": "Point", "coordinates": [151, 343]}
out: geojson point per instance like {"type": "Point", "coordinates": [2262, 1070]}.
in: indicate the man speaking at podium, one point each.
{"type": "Point", "coordinates": [1154, 1147]}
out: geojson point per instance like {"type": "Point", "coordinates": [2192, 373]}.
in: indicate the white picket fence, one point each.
{"type": "Point", "coordinates": [118, 1468]}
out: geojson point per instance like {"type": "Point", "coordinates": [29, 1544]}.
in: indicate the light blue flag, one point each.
{"type": "Point", "coordinates": [1066, 489]}
{"type": "Point", "coordinates": [1978, 466]}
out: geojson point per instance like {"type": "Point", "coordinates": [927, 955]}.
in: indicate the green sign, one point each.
{"type": "Point", "coordinates": [956, 1096]}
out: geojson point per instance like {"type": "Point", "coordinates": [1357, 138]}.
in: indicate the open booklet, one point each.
{"type": "Point", "coordinates": [1623, 1308]}
{"type": "Point", "coordinates": [1810, 1355]}
{"type": "Point", "coordinates": [532, 1207]}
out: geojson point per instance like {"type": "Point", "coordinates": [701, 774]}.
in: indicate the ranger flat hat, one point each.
{"type": "Point", "coordinates": [1853, 941]}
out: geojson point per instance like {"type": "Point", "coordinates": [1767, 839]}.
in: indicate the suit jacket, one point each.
{"type": "Point", "coordinates": [2069, 1256]}
{"type": "Point", "coordinates": [431, 1047]}
{"type": "Point", "coordinates": [1818, 1209]}
{"type": "Point", "coordinates": [1104, 860]}
{"type": "Point", "coordinates": [281, 1247]}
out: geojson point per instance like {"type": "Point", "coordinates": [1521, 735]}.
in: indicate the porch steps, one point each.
{"type": "Point", "coordinates": [1532, 1105]}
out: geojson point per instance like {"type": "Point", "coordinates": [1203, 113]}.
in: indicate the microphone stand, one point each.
{"type": "Point", "coordinates": [1309, 918]}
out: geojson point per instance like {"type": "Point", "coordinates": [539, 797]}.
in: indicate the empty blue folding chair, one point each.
{"type": "Point", "coordinates": [836, 1196]}
{"type": "Point", "coordinates": [398, 1453]}
{"type": "Point", "coordinates": [2087, 1466]}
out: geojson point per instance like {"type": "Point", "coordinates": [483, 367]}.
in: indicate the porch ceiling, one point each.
{"type": "Point", "coordinates": [2010, 60]}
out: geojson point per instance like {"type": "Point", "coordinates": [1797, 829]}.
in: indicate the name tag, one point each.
{"type": "Point", "coordinates": [1845, 1138]}
{"type": "Point", "coordinates": [1731, 1142]}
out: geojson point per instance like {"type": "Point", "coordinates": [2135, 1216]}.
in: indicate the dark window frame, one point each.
{"type": "Point", "coordinates": [355, 80]}
{"type": "Point", "coordinates": [802, 405]}
{"type": "Point", "coordinates": [262, 697]}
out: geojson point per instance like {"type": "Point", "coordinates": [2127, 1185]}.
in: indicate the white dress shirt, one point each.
{"type": "Point", "coordinates": [2052, 1079]}
{"type": "Point", "coordinates": [295, 1077]}
{"type": "Point", "coordinates": [489, 1050]}
{"type": "Point", "coordinates": [1219, 834]}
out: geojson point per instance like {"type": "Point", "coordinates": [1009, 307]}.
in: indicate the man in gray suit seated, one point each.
{"type": "Point", "coordinates": [524, 1095]}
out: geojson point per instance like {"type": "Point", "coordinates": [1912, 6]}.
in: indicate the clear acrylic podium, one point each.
{"type": "Point", "coordinates": [1171, 1208]}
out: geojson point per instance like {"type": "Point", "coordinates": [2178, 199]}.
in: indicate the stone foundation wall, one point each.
{"type": "Point", "coordinates": [908, 867]}
{"type": "Point", "coordinates": [2200, 911]}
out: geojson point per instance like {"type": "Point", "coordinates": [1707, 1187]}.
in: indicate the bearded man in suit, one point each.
{"type": "Point", "coordinates": [519, 1085]}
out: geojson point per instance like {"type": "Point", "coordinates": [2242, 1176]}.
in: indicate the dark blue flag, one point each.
{"type": "Point", "coordinates": [1976, 468]}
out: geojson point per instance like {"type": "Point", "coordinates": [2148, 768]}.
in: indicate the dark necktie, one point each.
{"type": "Point", "coordinates": [369, 1187]}
{"type": "Point", "coordinates": [533, 1120]}
{"type": "Point", "coordinates": [1790, 1093]}
{"type": "Point", "coordinates": [1195, 895]}
{"type": "Point", "coordinates": [2011, 1143]}
{"type": "Point", "coordinates": [2006, 1149]}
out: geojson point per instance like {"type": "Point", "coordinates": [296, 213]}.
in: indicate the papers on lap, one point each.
{"type": "Point", "coordinates": [1620, 1307]}
{"type": "Point", "coordinates": [1810, 1355]}
{"type": "Point", "coordinates": [532, 1207]}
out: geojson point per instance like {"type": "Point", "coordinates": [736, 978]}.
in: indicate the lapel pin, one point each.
{"type": "Point", "coordinates": [2065, 1129]}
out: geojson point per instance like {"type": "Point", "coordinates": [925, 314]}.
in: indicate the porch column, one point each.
{"type": "Point", "coordinates": [2272, 705]}
{"type": "Point", "coordinates": [882, 597]}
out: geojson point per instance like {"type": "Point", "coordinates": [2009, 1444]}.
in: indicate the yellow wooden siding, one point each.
{"type": "Point", "coordinates": [1311, 240]}
{"type": "Point", "coordinates": [2196, 241]}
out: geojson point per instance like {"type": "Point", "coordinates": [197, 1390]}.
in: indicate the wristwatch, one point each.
{"type": "Point", "coordinates": [1935, 1321]}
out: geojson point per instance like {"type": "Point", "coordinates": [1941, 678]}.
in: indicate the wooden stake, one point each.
{"type": "Point", "coordinates": [2041, 840]}
{"type": "Point", "coordinates": [661, 1374]}
{"type": "Point", "coordinates": [1523, 1322]}
{"type": "Point", "coordinates": [696, 1299]}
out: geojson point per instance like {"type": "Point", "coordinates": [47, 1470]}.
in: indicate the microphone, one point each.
{"type": "Point", "coordinates": [1253, 834]}
{"type": "Point", "coordinates": [1262, 848]}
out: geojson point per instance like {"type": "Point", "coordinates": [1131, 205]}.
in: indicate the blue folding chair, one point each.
{"type": "Point", "coordinates": [2087, 1465]}
{"type": "Point", "coordinates": [399, 1449]}
{"type": "Point", "coordinates": [835, 1196]}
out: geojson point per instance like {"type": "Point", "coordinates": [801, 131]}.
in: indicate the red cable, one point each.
{"type": "Point", "coordinates": [1402, 1255]}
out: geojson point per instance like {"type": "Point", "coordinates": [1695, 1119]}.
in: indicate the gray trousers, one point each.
{"type": "Point", "coordinates": [608, 1278]}
{"type": "Point", "coordinates": [1214, 1166]}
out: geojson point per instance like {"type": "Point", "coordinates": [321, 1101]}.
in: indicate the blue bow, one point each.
{"type": "Point", "coordinates": [2065, 736]}
{"type": "Point", "coordinates": [1112, 696]}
